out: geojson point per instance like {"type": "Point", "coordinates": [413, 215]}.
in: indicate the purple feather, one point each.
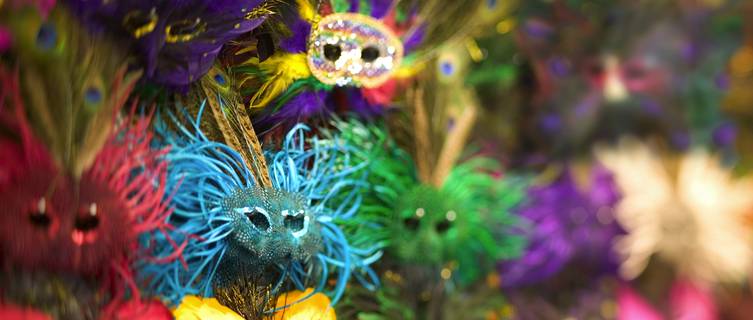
{"type": "Point", "coordinates": [379, 8]}
{"type": "Point", "coordinates": [302, 107]}
{"type": "Point", "coordinates": [297, 42]}
{"type": "Point", "coordinates": [205, 24]}
{"type": "Point", "coordinates": [568, 226]}
{"type": "Point", "coordinates": [414, 38]}
{"type": "Point", "coordinates": [357, 104]}
{"type": "Point", "coordinates": [355, 5]}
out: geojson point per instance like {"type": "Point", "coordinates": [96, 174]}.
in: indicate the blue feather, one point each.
{"type": "Point", "coordinates": [208, 175]}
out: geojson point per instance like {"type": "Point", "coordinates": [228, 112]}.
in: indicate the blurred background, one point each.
{"type": "Point", "coordinates": [634, 118]}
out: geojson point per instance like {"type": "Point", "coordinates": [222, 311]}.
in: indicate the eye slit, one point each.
{"type": "Point", "coordinates": [86, 223]}
{"type": "Point", "coordinates": [257, 216]}
{"type": "Point", "coordinates": [87, 219]}
{"type": "Point", "coordinates": [38, 215]}
{"type": "Point", "coordinates": [370, 53]}
{"type": "Point", "coordinates": [412, 223]}
{"type": "Point", "coordinates": [332, 52]}
{"type": "Point", "coordinates": [294, 223]}
{"type": "Point", "coordinates": [443, 226]}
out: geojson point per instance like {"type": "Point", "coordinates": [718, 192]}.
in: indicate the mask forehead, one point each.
{"type": "Point", "coordinates": [353, 49]}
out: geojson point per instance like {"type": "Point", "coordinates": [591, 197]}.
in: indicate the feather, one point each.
{"type": "Point", "coordinates": [430, 225]}
{"type": "Point", "coordinates": [74, 84]}
{"type": "Point", "coordinates": [176, 42]}
{"type": "Point", "coordinates": [314, 187]}
{"type": "Point", "coordinates": [547, 225]}
{"type": "Point", "coordinates": [89, 226]}
{"type": "Point", "coordinates": [279, 71]}
{"type": "Point", "coordinates": [233, 122]}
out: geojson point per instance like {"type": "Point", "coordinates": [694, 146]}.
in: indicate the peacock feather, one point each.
{"type": "Point", "coordinates": [73, 83]}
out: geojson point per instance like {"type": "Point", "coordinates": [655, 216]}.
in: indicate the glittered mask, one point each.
{"type": "Point", "coordinates": [353, 49]}
{"type": "Point", "coordinates": [272, 224]}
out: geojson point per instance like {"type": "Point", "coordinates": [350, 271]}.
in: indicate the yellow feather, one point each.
{"type": "Point", "coordinates": [306, 11]}
{"type": "Point", "coordinates": [406, 71]}
{"type": "Point", "coordinates": [197, 308]}
{"type": "Point", "coordinates": [282, 69]}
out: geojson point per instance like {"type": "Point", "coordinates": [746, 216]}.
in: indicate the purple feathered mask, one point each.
{"type": "Point", "coordinates": [568, 226]}
{"type": "Point", "coordinates": [176, 41]}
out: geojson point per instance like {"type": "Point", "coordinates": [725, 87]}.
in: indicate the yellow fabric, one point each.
{"type": "Point", "coordinates": [281, 69]}
{"type": "Point", "coordinates": [196, 308]}
{"type": "Point", "coordinates": [315, 307]}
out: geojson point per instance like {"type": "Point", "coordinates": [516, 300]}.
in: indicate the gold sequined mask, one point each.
{"type": "Point", "coordinates": [353, 49]}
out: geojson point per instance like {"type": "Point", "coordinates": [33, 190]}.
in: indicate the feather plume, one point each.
{"type": "Point", "coordinates": [96, 226]}
{"type": "Point", "coordinates": [175, 41]}
{"type": "Point", "coordinates": [241, 228]}
{"type": "Point", "coordinates": [74, 84]}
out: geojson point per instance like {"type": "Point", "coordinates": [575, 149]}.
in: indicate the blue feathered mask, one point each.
{"type": "Point", "coordinates": [256, 229]}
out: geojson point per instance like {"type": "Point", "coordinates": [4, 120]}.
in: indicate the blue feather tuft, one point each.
{"type": "Point", "coordinates": [221, 211]}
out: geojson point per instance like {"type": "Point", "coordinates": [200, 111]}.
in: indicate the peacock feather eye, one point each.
{"type": "Point", "coordinates": [220, 79]}
{"type": "Point", "coordinates": [353, 49]}
{"type": "Point", "coordinates": [92, 96]}
{"type": "Point", "coordinates": [140, 23]}
{"type": "Point", "coordinates": [184, 30]}
{"type": "Point", "coordinates": [47, 36]}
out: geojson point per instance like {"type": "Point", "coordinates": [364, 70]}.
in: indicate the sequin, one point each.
{"type": "Point", "coordinates": [353, 49]}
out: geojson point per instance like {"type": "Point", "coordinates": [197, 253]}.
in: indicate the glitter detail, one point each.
{"type": "Point", "coordinates": [358, 38]}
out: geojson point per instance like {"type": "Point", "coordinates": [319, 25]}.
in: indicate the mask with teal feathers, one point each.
{"type": "Point", "coordinates": [259, 221]}
{"type": "Point", "coordinates": [351, 55]}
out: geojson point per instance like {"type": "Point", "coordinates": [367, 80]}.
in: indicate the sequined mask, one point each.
{"type": "Point", "coordinates": [353, 49]}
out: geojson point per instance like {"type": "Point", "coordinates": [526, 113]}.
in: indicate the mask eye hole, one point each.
{"type": "Point", "coordinates": [297, 223]}
{"type": "Point", "coordinates": [412, 223]}
{"type": "Point", "coordinates": [294, 223]}
{"type": "Point", "coordinates": [258, 218]}
{"type": "Point", "coordinates": [370, 53]}
{"type": "Point", "coordinates": [443, 226]}
{"type": "Point", "coordinates": [38, 214]}
{"type": "Point", "coordinates": [88, 219]}
{"type": "Point", "coordinates": [332, 52]}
